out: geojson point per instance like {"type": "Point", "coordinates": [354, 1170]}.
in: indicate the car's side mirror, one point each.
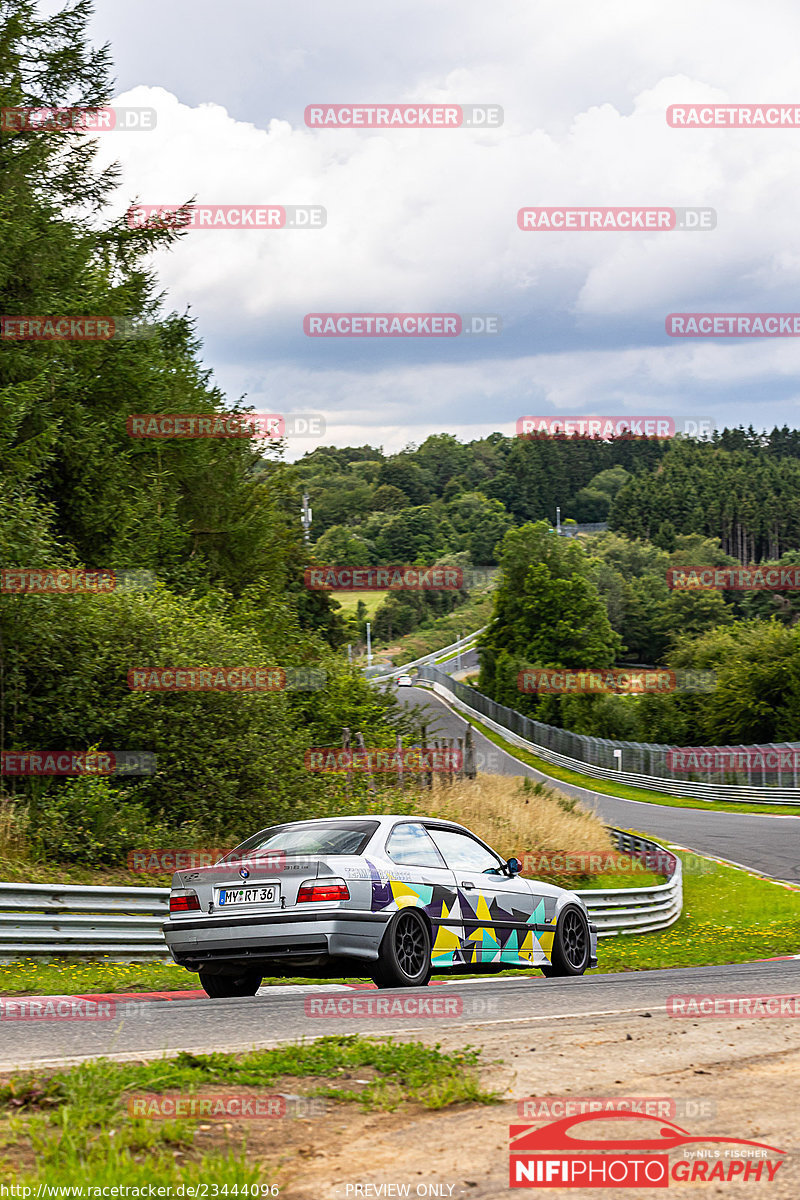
{"type": "Point", "coordinates": [513, 866]}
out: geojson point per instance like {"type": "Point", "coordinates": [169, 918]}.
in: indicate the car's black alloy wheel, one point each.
{"type": "Point", "coordinates": [405, 955]}
{"type": "Point", "coordinates": [219, 986]}
{"type": "Point", "coordinates": [571, 945]}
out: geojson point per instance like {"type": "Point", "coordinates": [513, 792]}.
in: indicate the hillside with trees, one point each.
{"type": "Point", "coordinates": [214, 522]}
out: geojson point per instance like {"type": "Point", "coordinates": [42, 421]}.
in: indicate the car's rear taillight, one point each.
{"type": "Point", "coordinates": [183, 900]}
{"type": "Point", "coordinates": [323, 889]}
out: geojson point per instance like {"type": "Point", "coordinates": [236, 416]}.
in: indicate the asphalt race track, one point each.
{"type": "Point", "coordinates": [278, 1013]}
{"type": "Point", "coordinates": [767, 844]}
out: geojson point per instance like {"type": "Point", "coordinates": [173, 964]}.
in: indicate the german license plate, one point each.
{"type": "Point", "coordinates": [242, 896]}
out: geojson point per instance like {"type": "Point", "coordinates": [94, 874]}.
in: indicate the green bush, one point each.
{"type": "Point", "coordinates": [85, 820]}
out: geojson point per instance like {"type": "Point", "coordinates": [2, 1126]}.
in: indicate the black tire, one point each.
{"type": "Point", "coordinates": [571, 945]}
{"type": "Point", "coordinates": [221, 986]}
{"type": "Point", "coordinates": [404, 959]}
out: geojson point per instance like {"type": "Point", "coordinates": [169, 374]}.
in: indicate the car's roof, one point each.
{"type": "Point", "coordinates": [381, 818]}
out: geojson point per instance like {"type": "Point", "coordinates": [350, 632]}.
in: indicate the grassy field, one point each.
{"type": "Point", "coordinates": [75, 1127]}
{"type": "Point", "coordinates": [728, 917]}
{"type": "Point", "coordinates": [349, 601]}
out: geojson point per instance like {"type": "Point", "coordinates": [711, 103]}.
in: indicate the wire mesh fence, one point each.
{"type": "Point", "coordinates": [774, 765]}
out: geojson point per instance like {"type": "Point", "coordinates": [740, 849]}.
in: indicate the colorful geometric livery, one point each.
{"type": "Point", "coordinates": [470, 928]}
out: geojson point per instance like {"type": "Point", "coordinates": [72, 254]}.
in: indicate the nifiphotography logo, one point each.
{"type": "Point", "coordinates": [557, 1156]}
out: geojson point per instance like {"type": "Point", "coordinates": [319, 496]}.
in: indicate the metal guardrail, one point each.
{"type": "Point", "coordinates": [538, 738]}
{"type": "Point", "coordinates": [124, 923]}
{"type": "Point", "coordinates": [433, 657]}
{"type": "Point", "coordinates": [637, 910]}
{"type": "Point", "coordinates": [40, 919]}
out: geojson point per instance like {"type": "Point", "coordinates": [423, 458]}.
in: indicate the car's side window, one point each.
{"type": "Point", "coordinates": [409, 845]}
{"type": "Point", "coordinates": [462, 852]}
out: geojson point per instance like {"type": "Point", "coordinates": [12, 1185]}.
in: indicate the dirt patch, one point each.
{"type": "Point", "coordinates": [734, 1079]}
{"type": "Point", "coordinates": [739, 1075]}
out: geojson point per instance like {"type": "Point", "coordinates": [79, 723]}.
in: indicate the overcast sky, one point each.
{"type": "Point", "coordinates": [425, 220]}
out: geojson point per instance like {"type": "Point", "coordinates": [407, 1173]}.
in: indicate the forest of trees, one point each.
{"type": "Point", "coordinates": [606, 602]}
{"type": "Point", "coordinates": [448, 497]}
{"type": "Point", "coordinates": [222, 539]}
{"type": "Point", "coordinates": [450, 501]}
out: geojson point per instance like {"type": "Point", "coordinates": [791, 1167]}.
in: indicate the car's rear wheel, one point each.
{"type": "Point", "coordinates": [219, 986]}
{"type": "Point", "coordinates": [571, 945]}
{"type": "Point", "coordinates": [404, 959]}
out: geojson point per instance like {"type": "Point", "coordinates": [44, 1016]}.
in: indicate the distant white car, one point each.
{"type": "Point", "coordinates": [404, 681]}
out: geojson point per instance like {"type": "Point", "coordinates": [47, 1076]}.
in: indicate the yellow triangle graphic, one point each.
{"type": "Point", "coordinates": [445, 940]}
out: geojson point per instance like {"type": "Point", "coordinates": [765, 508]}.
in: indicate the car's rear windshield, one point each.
{"type": "Point", "coordinates": [340, 837]}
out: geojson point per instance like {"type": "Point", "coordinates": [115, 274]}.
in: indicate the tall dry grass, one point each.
{"type": "Point", "coordinates": [516, 816]}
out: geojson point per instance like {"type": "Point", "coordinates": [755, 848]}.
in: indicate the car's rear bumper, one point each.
{"type": "Point", "coordinates": [207, 941]}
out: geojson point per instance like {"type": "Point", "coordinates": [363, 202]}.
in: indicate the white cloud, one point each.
{"type": "Point", "coordinates": [426, 221]}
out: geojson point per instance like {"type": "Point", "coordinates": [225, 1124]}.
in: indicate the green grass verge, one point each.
{"type": "Point", "coordinates": [473, 614]}
{"type": "Point", "coordinates": [728, 917]}
{"type": "Point", "coordinates": [622, 791]}
{"type": "Point", "coordinates": [62, 977]}
{"type": "Point", "coordinates": [454, 654]}
{"type": "Point", "coordinates": [74, 1126]}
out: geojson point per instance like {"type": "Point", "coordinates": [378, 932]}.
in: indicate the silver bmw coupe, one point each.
{"type": "Point", "coordinates": [392, 897]}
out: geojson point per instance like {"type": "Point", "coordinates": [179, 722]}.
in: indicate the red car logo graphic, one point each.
{"type": "Point", "coordinates": [527, 1139]}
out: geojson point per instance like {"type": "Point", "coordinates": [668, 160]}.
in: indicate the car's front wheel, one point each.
{"type": "Point", "coordinates": [220, 986]}
{"type": "Point", "coordinates": [404, 959]}
{"type": "Point", "coordinates": [571, 945]}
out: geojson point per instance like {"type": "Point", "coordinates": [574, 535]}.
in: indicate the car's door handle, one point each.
{"type": "Point", "coordinates": [466, 884]}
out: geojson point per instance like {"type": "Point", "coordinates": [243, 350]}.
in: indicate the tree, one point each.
{"type": "Point", "coordinates": [342, 547]}
{"type": "Point", "coordinates": [547, 611]}
{"type": "Point", "coordinates": [387, 498]}
{"type": "Point", "coordinates": [412, 535]}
